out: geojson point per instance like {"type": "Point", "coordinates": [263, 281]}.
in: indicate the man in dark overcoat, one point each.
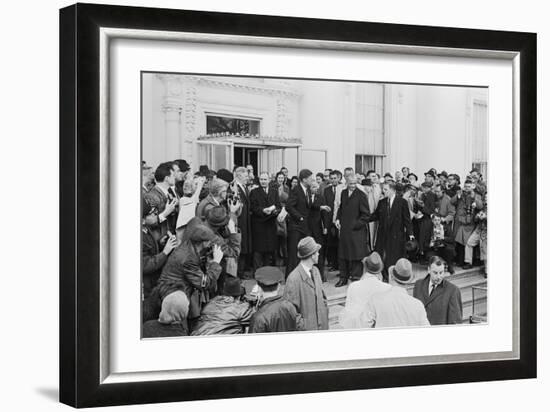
{"type": "Point", "coordinates": [352, 219]}
{"type": "Point", "coordinates": [441, 298]}
{"type": "Point", "coordinates": [240, 187]}
{"type": "Point", "coordinates": [394, 226]}
{"type": "Point", "coordinates": [298, 207]}
{"type": "Point", "coordinates": [265, 206]}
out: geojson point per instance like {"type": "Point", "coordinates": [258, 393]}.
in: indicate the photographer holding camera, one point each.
{"type": "Point", "coordinates": [194, 268]}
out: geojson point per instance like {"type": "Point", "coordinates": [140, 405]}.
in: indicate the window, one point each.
{"type": "Point", "coordinates": [479, 137]}
{"type": "Point", "coordinates": [232, 125]}
{"type": "Point", "coordinates": [369, 127]}
{"type": "Point", "coordinates": [364, 163]}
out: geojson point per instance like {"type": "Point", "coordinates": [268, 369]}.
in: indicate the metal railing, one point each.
{"type": "Point", "coordinates": [478, 317]}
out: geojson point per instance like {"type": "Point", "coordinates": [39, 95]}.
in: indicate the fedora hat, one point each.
{"type": "Point", "coordinates": [217, 216]}
{"type": "Point", "coordinates": [373, 263]}
{"type": "Point", "coordinates": [402, 272]}
{"type": "Point", "coordinates": [307, 247]}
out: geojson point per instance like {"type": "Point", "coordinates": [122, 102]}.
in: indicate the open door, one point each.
{"type": "Point", "coordinates": [216, 154]}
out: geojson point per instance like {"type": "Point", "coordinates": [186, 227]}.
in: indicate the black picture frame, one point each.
{"type": "Point", "coordinates": [80, 384]}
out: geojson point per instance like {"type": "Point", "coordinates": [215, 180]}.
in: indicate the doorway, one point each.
{"type": "Point", "coordinates": [243, 156]}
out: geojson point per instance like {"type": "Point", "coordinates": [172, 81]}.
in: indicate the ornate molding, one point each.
{"type": "Point", "coordinates": [261, 139]}
{"type": "Point", "coordinates": [232, 85]}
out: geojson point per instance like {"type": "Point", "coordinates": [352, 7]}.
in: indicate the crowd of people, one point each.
{"type": "Point", "coordinates": [206, 232]}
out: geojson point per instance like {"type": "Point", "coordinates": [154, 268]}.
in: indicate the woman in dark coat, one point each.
{"type": "Point", "coordinates": [353, 216]}
{"type": "Point", "coordinates": [265, 207]}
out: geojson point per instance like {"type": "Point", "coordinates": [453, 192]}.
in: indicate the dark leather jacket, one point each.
{"type": "Point", "coordinates": [223, 315]}
{"type": "Point", "coordinates": [276, 314]}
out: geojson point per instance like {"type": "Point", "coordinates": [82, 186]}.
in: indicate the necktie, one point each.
{"type": "Point", "coordinates": [308, 199]}
{"type": "Point", "coordinates": [433, 289]}
{"type": "Point", "coordinates": [171, 193]}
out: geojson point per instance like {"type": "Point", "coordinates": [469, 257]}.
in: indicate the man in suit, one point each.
{"type": "Point", "coordinates": [394, 224]}
{"type": "Point", "coordinates": [298, 207]}
{"type": "Point", "coordinates": [374, 194]}
{"type": "Point", "coordinates": [441, 298]}
{"type": "Point", "coordinates": [181, 168]}
{"type": "Point", "coordinates": [163, 198]}
{"type": "Point", "coordinates": [332, 230]}
{"type": "Point", "coordinates": [265, 206]}
{"type": "Point", "coordinates": [317, 222]}
{"type": "Point", "coordinates": [240, 187]}
{"type": "Point", "coordinates": [352, 218]}
{"type": "Point", "coordinates": [303, 287]}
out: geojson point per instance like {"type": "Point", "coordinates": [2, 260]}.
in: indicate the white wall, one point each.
{"type": "Point", "coordinates": [401, 127]}
{"type": "Point", "coordinates": [322, 119]}
{"type": "Point", "coordinates": [441, 128]}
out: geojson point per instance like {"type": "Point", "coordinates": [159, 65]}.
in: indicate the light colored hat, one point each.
{"type": "Point", "coordinates": [307, 247]}
{"type": "Point", "coordinates": [373, 263]}
{"type": "Point", "coordinates": [402, 272]}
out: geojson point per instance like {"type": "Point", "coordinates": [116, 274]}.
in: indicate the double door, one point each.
{"type": "Point", "coordinates": [227, 154]}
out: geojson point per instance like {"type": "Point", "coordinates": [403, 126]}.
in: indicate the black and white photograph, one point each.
{"type": "Point", "coordinates": [304, 205]}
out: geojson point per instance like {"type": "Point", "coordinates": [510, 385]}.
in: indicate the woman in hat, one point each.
{"type": "Point", "coordinates": [172, 320]}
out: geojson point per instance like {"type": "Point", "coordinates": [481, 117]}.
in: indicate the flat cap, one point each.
{"type": "Point", "coordinates": [268, 275]}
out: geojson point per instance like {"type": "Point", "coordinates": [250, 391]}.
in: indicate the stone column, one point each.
{"type": "Point", "coordinates": [172, 108]}
{"type": "Point", "coordinates": [189, 130]}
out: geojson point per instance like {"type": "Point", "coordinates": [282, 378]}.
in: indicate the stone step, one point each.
{"type": "Point", "coordinates": [337, 296]}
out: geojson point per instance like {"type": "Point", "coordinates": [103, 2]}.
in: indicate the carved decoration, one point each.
{"type": "Point", "coordinates": [281, 120]}
{"type": "Point", "coordinates": [190, 116]}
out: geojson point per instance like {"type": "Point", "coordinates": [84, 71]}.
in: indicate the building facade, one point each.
{"type": "Point", "coordinates": [270, 123]}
